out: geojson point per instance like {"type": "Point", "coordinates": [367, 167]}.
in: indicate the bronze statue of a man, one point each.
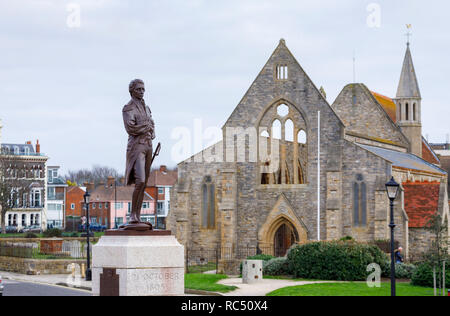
{"type": "Point", "coordinates": [140, 127]}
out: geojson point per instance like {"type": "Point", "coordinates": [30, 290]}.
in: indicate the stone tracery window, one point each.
{"type": "Point", "coordinates": [359, 202]}
{"type": "Point", "coordinates": [208, 203]}
{"type": "Point", "coordinates": [283, 152]}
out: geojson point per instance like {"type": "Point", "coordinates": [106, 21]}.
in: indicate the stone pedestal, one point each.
{"type": "Point", "coordinates": [252, 271]}
{"type": "Point", "coordinates": [140, 264]}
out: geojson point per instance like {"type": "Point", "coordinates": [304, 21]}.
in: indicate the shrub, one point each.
{"type": "Point", "coordinates": [276, 266]}
{"type": "Point", "coordinates": [402, 271]}
{"type": "Point", "coordinates": [54, 232]}
{"type": "Point", "coordinates": [347, 238]}
{"type": "Point", "coordinates": [31, 235]}
{"type": "Point", "coordinates": [423, 276]}
{"type": "Point", "coordinates": [342, 261]}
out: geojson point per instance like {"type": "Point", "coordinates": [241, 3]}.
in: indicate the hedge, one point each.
{"type": "Point", "coordinates": [423, 276]}
{"type": "Point", "coordinates": [337, 260]}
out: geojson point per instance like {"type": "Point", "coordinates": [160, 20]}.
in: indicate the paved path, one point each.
{"type": "Point", "coordinates": [19, 288]}
{"type": "Point", "coordinates": [54, 279]}
{"type": "Point", "coordinates": [261, 288]}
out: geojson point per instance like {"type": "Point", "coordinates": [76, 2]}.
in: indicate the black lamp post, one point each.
{"type": "Point", "coordinates": [115, 203]}
{"type": "Point", "coordinates": [88, 268]}
{"type": "Point", "coordinates": [392, 192]}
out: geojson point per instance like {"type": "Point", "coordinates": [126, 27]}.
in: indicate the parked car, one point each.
{"type": "Point", "coordinates": [1, 286]}
{"type": "Point", "coordinates": [32, 229]}
{"type": "Point", "coordinates": [11, 229]}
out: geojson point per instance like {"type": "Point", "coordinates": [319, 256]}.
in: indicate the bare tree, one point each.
{"type": "Point", "coordinates": [438, 253]}
{"type": "Point", "coordinates": [96, 175]}
{"type": "Point", "coordinates": [10, 186]}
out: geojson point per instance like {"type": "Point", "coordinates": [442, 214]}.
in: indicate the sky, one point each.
{"type": "Point", "coordinates": [65, 66]}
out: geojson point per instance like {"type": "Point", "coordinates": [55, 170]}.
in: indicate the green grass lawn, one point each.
{"type": "Point", "coordinates": [206, 282]}
{"type": "Point", "coordinates": [202, 268]}
{"type": "Point", "coordinates": [351, 289]}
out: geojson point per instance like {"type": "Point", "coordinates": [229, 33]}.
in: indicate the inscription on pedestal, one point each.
{"type": "Point", "coordinates": [109, 282]}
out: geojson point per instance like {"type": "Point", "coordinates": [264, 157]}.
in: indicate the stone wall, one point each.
{"type": "Point", "coordinates": [419, 242]}
{"type": "Point", "coordinates": [33, 266]}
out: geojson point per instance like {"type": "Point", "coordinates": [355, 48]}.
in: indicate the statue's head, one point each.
{"type": "Point", "coordinates": [137, 88]}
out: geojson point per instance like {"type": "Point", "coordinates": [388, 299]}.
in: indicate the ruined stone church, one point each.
{"type": "Point", "coordinates": [291, 168]}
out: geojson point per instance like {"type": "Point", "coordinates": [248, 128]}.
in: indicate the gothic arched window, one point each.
{"type": "Point", "coordinates": [359, 202]}
{"type": "Point", "coordinates": [208, 204]}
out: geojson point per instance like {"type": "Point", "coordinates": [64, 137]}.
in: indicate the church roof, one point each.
{"type": "Point", "coordinates": [387, 104]}
{"type": "Point", "coordinates": [408, 86]}
{"type": "Point", "coordinates": [404, 160]}
{"type": "Point", "coordinates": [421, 202]}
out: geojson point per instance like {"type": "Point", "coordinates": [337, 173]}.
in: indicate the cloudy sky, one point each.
{"type": "Point", "coordinates": [64, 79]}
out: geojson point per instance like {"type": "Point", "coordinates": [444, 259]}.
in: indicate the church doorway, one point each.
{"type": "Point", "coordinates": [284, 238]}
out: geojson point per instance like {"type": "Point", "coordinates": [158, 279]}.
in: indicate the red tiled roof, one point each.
{"type": "Point", "coordinates": [387, 104]}
{"type": "Point", "coordinates": [421, 202]}
{"type": "Point", "coordinates": [427, 153]}
{"type": "Point", "coordinates": [162, 178]}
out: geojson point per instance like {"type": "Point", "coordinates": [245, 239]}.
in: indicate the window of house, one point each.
{"type": "Point", "coordinates": [36, 219]}
{"type": "Point", "coordinates": [9, 220]}
{"type": "Point", "coordinates": [129, 207]}
{"type": "Point", "coordinates": [145, 205]}
{"type": "Point", "coordinates": [72, 206]}
{"type": "Point", "coordinates": [93, 206]}
{"type": "Point", "coordinates": [208, 204]}
{"type": "Point", "coordinates": [100, 205]}
{"type": "Point", "coordinates": [36, 198]}
{"type": "Point", "coordinates": [359, 202]}
{"type": "Point", "coordinates": [160, 190]}
{"type": "Point", "coordinates": [50, 176]}
{"type": "Point", "coordinates": [24, 220]}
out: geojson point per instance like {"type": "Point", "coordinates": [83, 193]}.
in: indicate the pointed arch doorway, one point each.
{"type": "Point", "coordinates": [285, 236]}
{"type": "Point", "coordinates": [281, 229]}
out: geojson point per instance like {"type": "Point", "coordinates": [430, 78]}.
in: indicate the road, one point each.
{"type": "Point", "coordinates": [16, 288]}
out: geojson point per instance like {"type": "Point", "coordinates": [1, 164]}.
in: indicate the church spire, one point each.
{"type": "Point", "coordinates": [408, 86]}
{"type": "Point", "coordinates": [409, 104]}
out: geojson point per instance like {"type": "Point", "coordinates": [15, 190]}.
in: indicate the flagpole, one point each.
{"type": "Point", "coordinates": [318, 175]}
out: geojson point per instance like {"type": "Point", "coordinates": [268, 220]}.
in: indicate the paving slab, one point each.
{"type": "Point", "coordinates": [262, 287]}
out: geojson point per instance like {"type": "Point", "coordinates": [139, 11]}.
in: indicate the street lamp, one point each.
{"type": "Point", "coordinates": [115, 203]}
{"type": "Point", "coordinates": [392, 192]}
{"type": "Point", "coordinates": [88, 268]}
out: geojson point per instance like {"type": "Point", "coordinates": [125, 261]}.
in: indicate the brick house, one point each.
{"type": "Point", "coordinates": [110, 205]}
{"type": "Point", "coordinates": [159, 186]}
{"type": "Point", "coordinates": [30, 197]}
{"type": "Point", "coordinates": [74, 207]}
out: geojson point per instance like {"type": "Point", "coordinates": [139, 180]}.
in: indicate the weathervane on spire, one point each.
{"type": "Point", "coordinates": [408, 34]}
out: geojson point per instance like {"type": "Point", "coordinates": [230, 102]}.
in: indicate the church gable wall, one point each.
{"type": "Point", "coordinates": [364, 117]}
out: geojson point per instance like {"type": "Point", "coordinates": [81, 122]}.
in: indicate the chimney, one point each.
{"type": "Point", "coordinates": [163, 168]}
{"type": "Point", "coordinates": [110, 182]}
{"type": "Point", "coordinates": [28, 142]}
{"type": "Point", "coordinates": [38, 147]}
{"type": "Point", "coordinates": [101, 183]}
{"type": "Point", "coordinates": [122, 181]}
{"type": "Point", "coordinates": [90, 187]}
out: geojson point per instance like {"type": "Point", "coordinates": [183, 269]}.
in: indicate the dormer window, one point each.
{"type": "Point", "coordinates": [282, 72]}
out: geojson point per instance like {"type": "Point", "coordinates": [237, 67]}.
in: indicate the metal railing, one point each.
{"type": "Point", "coordinates": [35, 251]}
{"type": "Point", "coordinates": [200, 260]}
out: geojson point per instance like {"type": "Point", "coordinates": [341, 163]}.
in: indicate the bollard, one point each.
{"type": "Point", "coordinates": [83, 271]}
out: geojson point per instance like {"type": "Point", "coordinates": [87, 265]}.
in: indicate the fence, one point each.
{"type": "Point", "coordinates": [204, 260]}
{"type": "Point", "coordinates": [68, 250]}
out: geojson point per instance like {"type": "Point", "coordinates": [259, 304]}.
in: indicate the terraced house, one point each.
{"type": "Point", "coordinates": [25, 168]}
{"type": "Point", "coordinates": [292, 168]}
